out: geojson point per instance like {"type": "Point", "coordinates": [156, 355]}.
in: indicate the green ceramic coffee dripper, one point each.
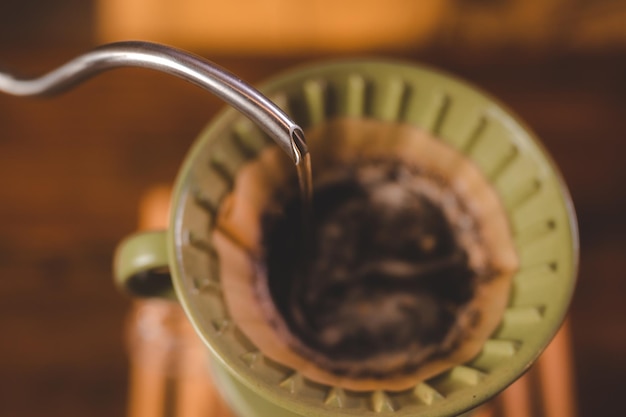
{"type": "Point", "coordinates": [510, 157]}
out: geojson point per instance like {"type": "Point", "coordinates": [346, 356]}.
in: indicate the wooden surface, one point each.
{"type": "Point", "coordinates": [72, 170]}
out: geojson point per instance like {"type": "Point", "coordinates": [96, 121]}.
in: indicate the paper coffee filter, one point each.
{"type": "Point", "coordinates": [513, 184]}
{"type": "Point", "coordinates": [341, 142]}
{"type": "Point", "coordinates": [240, 211]}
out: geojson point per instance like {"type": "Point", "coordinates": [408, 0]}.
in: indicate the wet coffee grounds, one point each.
{"type": "Point", "coordinates": [381, 271]}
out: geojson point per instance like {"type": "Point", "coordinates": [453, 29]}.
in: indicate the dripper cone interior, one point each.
{"type": "Point", "coordinates": [339, 143]}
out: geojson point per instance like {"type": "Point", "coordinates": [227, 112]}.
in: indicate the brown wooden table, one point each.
{"type": "Point", "coordinates": [73, 169]}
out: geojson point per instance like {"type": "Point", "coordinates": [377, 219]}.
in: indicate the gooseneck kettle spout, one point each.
{"type": "Point", "coordinates": [249, 101]}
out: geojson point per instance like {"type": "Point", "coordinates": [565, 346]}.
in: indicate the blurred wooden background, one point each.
{"type": "Point", "coordinates": [72, 170]}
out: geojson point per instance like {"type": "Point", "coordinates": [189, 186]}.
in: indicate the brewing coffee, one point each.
{"type": "Point", "coordinates": [384, 274]}
{"type": "Point", "coordinates": [404, 274]}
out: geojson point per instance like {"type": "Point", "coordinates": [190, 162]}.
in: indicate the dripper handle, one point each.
{"type": "Point", "coordinates": [140, 265]}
